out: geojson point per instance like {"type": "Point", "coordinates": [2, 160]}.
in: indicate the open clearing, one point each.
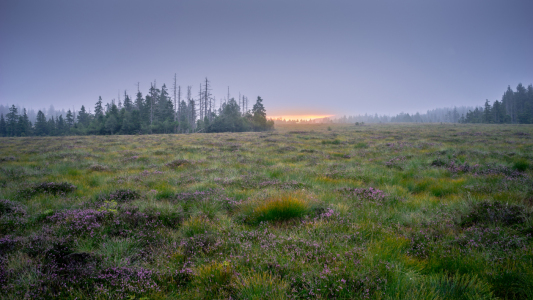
{"type": "Point", "coordinates": [306, 211]}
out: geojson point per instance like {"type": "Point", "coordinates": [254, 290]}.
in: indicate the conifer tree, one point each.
{"type": "Point", "coordinates": [11, 122]}
{"type": "Point", "coordinates": [83, 116]}
{"type": "Point", "coordinates": [98, 109]}
{"type": "Point", "coordinates": [24, 124]}
{"type": "Point", "coordinates": [487, 113]}
{"type": "Point", "coordinates": [128, 105]}
{"type": "Point", "coordinates": [69, 119]}
{"type": "Point", "coordinates": [259, 114]}
{"type": "Point", "coordinates": [41, 126]}
{"type": "Point", "coordinates": [3, 129]}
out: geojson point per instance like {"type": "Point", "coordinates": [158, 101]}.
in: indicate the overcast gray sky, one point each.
{"type": "Point", "coordinates": [302, 57]}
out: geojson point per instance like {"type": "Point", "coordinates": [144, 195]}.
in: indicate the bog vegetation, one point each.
{"type": "Point", "coordinates": [302, 212]}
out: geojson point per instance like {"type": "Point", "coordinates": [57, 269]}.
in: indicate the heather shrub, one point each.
{"type": "Point", "coordinates": [492, 240]}
{"type": "Point", "coordinates": [120, 196]}
{"type": "Point", "coordinates": [12, 216]}
{"type": "Point", "coordinates": [7, 244]}
{"type": "Point", "coordinates": [496, 213]}
{"type": "Point", "coordinates": [169, 215]}
{"type": "Point", "coordinates": [98, 168]}
{"type": "Point", "coordinates": [52, 188]}
{"type": "Point", "coordinates": [177, 163]}
{"type": "Point", "coordinates": [81, 221]}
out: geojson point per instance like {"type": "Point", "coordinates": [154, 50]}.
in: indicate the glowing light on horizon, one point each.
{"type": "Point", "coordinates": [299, 117]}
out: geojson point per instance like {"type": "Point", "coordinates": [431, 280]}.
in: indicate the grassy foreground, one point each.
{"type": "Point", "coordinates": [304, 212]}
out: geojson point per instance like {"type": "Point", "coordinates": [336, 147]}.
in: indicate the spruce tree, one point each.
{"type": "Point", "coordinates": [3, 129]}
{"type": "Point", "coordinates": [12, 118]}
{"type": "Point", "coordinates": [83, 116]}
{"type": "Point", "coordinates": [487, 113]}
{"type": "Point", "coordinates": [128, 105]}
{"type": "Point", "coordinates": [98, 109]}
{"type": "Point", "coordinates": [259, 115]}
{"type": "Point", "coordinates": [41, 126]}
{"type": "Point", "coordinates": [69, 119]}
{"type": "Point", "coordinates": [24, 124]}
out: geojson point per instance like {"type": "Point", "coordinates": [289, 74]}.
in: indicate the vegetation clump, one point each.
{"type": "Point", "coordinates": [277, 208]}
{"type": "Point", "coordinates": [12, 216]}
{"type": "Point", "coordinates": [177, 163]}
{"type": "Point", "coordinates": [52, 188]}
{"type": "Point", "coordinates": [494, 213]}
{"type": "Point", "coordinates": [120, 196]}
{"type": "Point", "coordinates": [259, 286]}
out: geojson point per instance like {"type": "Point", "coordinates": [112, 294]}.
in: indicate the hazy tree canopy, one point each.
{"type": "Point", "coordinates": [154, 113]}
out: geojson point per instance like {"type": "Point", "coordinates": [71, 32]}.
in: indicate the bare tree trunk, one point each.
{"type": "Point", "coordinates": [175, 108]}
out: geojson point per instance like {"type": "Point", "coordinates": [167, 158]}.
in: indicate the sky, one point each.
{"type": "Point", "coordinates": [303, 57]}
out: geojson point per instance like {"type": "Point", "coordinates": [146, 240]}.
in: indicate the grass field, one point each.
{"type": "Point", "coordinates": [303, 212]}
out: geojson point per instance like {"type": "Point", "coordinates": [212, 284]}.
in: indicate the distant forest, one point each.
{"type": "Point", "coordinates": [515, 107]}
{"type": "Point", "coordinates": [156, 112]}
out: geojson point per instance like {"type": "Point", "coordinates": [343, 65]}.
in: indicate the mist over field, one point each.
{"type": "Point", "coordinates": [266, 149]}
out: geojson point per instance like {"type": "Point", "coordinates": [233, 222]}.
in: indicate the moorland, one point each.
{"type": "Point", "coordinates": [318, 211]}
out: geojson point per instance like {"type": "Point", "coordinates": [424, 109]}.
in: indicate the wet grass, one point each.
{"type": "Point", "coordinates": [303, 212]}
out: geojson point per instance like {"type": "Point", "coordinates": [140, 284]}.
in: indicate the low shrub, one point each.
{"type": "Point", "coordinates": [177, 163]}
{"type": "Point", "coordinates": [494, 213]}
{"type": "Point", "coordinates": [12, 216]}
{"type": "Point", "coordinates": [334, 142]}
{"type": "Point", "coordinates": [98, 168]}
{"type": "Point", "coordinates": [52, 188]}
{"type": "Point", "coordinates": [121, 196]}
{"type": "Point", "coordinates": [521, 165]}
{"type": "Point", "coordinates": [361, 145]}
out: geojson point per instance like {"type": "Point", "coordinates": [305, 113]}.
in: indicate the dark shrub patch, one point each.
{"type": "Point", "coordinates": [424, 241]}
{"type": "Point", "coordinates": [7, 244]}
{"type": "Point", "coordinates": [286, 149]}
{"type": "Point", "coordinates": [7, 158]}
{"type": "Point", "coordinates": [12, 216]}
{"type": "Point", "coordinates": [200, 243]}
{"type": "Point", "coordinates": [334, 142]}
{"type": "Point", "coordinates": [512, 285]}
{"type": "Point", "coordinates": [177, 163]}
{"type": "Point", "coordinates": [496, 241]}
{"type": "Point", "coordinates": [81, 222]}
{"type": "Point", "coordinates": [308, 151]}
{"type": "Point", "coordinates": [11, 208]}
{"type": "Point", "coordinates": [521, 165]}
{"type": "Point", "coordinates": [494, 213]}
{"type": "Point", "coordinates": [438, 163]}
{"type": "Point", "coordinates": [53, 188]}
{"type": "Point", "coordinates": [122, 195]}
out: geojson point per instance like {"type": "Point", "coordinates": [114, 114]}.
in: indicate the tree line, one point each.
{"type": "Point", "coordinates": [515, 107]}
{"type": "Point", "coordinates": [155, 112]}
